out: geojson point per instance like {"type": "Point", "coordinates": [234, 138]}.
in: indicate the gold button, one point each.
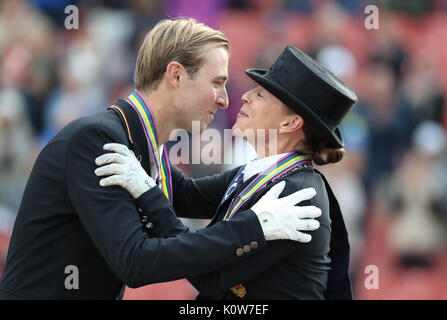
{"type": "Point", "coordinates": [239, 252]}
{"type": "Point", "coordinates": [254, 245]}
{"type": "Point", "coordinates": [247, 248]}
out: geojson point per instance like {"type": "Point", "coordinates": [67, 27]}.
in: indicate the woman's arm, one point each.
{"type": "Point", "coordinates": [199, 198]}
{"type": "Point", "coordinates": [275, 251]}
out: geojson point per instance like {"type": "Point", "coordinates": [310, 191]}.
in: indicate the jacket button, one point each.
{"type": "Point", "coordinates": [254, 245]}
{"type": "Point", "coordinates": [247, 249]}
{"type": "Point", "coordinates": [146, 223]}
{"type": "Point", "coordinates": [239, 252]}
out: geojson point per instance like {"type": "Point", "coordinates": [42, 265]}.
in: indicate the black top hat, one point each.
{"type": "Point", "coordinates": [309, 89]}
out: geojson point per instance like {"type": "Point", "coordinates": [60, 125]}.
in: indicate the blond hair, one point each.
{"type": "Point", "coordinates": [182, 40]}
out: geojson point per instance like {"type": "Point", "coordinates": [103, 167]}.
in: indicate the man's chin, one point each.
{"type": "Point", "coordinates": [203, 126]}
{"type": "Point", "coordinates": [197, 126]}
{"type": "Point", "coordinates": [237, 131]}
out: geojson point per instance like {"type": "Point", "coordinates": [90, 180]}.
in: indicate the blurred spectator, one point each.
{"type": "Point", "coordinates": [339, 60]}
{"type": "Point", "coordinates": [421, 95]}
{"type": "Point", "coordinates": [417, 232]}
{"type": "Point", "coordinates": [385, 44]}
{"type": "Point", "coordinates": [204, 11]}
{"type": "Point", "coordinates": [80, 92]}
{"type": "Point", "coordinates": [26, 55]}
{"type": "Point", "coordinates": [330, 21]}
{"type": "Point", "coordinates": [414, 7]}
{"type": "Point", "coordinates": [16, 148]}
{"type": "Point", "coordinates": [439, 200]}
{"type": "Point", "coordinates": [145, 14]}
{"type": "Point", "coordinates": [303, 6]}
{"type": "Point", "coordinates": [96, 59]}
{"type": "Point", "coordinates": [389, 124]}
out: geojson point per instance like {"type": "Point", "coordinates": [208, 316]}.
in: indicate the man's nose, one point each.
{"type": "Point", "coordinates": [222, 100]}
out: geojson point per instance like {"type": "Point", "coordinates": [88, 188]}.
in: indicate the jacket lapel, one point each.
{"type": "Point", "coordinates": [136, 136]}
{"type": "Point", "coordinates": [223, 207]}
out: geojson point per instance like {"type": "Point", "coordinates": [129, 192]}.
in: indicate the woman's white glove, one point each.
{"type": "Point", "coordinates": [123, 170]}
{"type": "Point", "coordinates": [281, 219]}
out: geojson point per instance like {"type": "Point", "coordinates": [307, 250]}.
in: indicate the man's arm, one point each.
{"type": "Point", "coordinates": [111, 218]}
{"type": "Point", "coordinates": [199, 198]}
{"type": "Point", "coordinates": [275, 251]}
{"type": "Point", "coordinates": [224, 278]}
{"type": "Point", "coordinates": [218, 281]}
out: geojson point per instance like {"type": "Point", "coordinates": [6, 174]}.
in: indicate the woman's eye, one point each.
{"type": "Point", "coordinates": [260, 94]}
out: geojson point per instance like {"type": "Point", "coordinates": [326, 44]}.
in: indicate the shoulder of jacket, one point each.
{"type": "Point", "coordinates": [85, 127]}
{"type": "Point", "coordinates": [300, 174]}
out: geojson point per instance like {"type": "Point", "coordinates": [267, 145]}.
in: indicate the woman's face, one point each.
{"type": "Point", "coordinates": [260, 111]}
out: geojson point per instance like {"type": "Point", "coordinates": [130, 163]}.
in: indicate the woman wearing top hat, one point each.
{"type": "Point", "coordinates": [305, 103]}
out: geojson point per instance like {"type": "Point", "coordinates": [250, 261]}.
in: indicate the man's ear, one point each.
{"type": "Point", "coordinates": [291, 123]}
{"type": "Point", "coordinates": [175, 73]}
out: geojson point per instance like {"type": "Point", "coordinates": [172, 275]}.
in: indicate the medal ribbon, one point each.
{"type": "Point", "coordinates": [139, 103]}
{"type": "Point", "coordinates": [283, 165]}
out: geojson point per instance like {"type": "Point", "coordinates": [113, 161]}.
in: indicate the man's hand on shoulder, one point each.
{"type": "Point", "coordinates": [281, 219]}
{"type": "Point", "coordinates": [123, 169]}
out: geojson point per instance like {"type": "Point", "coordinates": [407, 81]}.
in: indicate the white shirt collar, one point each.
{"type": "Point", "coordinates": [256, 166]}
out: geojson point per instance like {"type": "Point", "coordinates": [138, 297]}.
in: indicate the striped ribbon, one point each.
{"type": "Point", "coordinates": [283, 165]}
{"type": "Point", "coordinates": [125, 120]}
{"type": "Point", "coordinates": [139, 103]}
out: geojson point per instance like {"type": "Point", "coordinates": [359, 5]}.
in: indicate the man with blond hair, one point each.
{"type": "Point", "coordinates": [74, 239]}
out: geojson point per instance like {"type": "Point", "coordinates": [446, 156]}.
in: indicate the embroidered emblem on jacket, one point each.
{"type": "Point", "coordinates": [239, 290]}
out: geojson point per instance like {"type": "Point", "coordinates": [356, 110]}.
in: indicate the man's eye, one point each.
{"type": "Point", "coordinates": [260, 94]}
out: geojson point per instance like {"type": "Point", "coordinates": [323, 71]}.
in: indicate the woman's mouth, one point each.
{"type": "Point", "coordinates": [242, 114]}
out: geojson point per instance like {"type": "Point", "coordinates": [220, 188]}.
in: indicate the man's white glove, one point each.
{"type": "Point", "coordinates": [123, 170]}
{"type": "Point", "coordinates": [281, 219]}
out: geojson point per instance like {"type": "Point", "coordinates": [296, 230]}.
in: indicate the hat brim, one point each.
{"type": "Point", "coordinates": [294, 102]}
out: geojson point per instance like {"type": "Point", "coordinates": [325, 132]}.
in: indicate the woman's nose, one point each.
{"type": "Point", "coordinates": [244, 97]}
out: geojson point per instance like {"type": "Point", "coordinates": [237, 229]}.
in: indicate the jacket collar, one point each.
{"type": "Point", "coordinates": [135, 132]}
{"type": "Point", "coordinates": [256, 166]}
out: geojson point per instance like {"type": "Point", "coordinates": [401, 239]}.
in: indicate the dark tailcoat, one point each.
{"type": "Point", "coordinates": [67, 219]}
{"type": "Point", "coordinates": [283, 269]}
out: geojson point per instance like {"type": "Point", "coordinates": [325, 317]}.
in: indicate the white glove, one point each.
{"type": "Point", "coordinates": [124, 170]}
{"type": "Point", "coordinates": [281, 219]}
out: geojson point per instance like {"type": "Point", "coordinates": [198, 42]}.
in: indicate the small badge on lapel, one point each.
{"type": "Point", "coordinates": [230, 191]}
{"type": "Point", "coordinates": [239, 290]}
